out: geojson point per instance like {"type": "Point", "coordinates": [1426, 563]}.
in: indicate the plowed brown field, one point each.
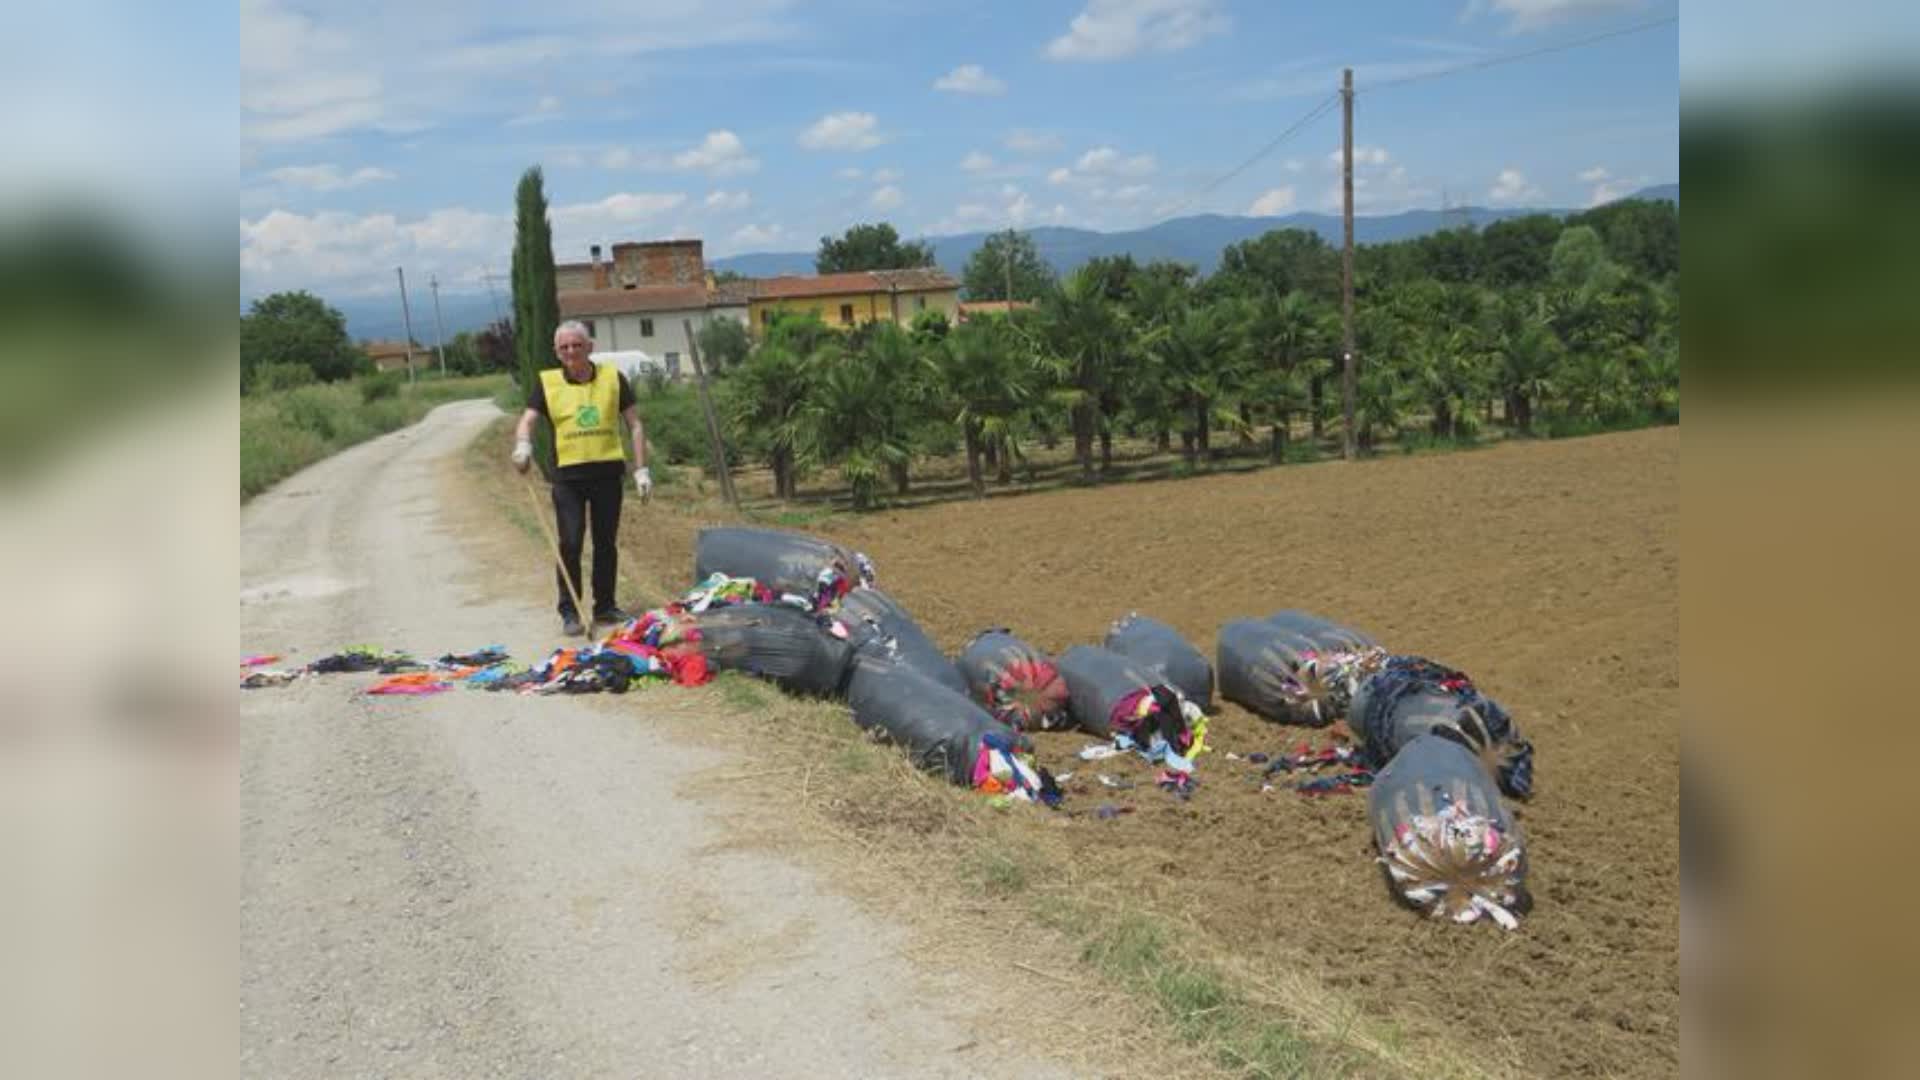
{"type": "Point", "coordinates": [1548, 571]}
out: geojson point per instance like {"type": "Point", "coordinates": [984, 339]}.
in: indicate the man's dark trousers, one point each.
{"type": "Point", "coordinates": [578, 501]}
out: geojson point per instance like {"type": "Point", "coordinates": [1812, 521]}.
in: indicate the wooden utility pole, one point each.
{"type": "Point", "coordinates": [406, 316]}
{"type": "Point", "coordinates": [1346, 260]}
{"type": "Point", "coordinates": [713, 424]}
{"type": "Point", "coordinates": [439, 328]}
{"type": "Point", "coordinates": [1007, 263]}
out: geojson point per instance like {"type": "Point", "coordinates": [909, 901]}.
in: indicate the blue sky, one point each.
{"type": "Point", "coordinates": [376, 134]}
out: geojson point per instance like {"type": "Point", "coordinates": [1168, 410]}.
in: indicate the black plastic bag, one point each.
{"type": "Point", "coordinates": [1163, 653]}
{"type": "Point", "coordinates": [1448, 845]}
{"type": "Point", "coordinates": [785, 562]}
{"type": "Point", "coordinates": [1293, 667]}
{"type": "Point", "coordinates": [881, 627]}
{"type": "Point", "coordinates": [1411, 696]}
{"type": "Point", "coordinates": [937, 726]}
{"type": "Point", "coordinates": [793, 648]}
{"type": "Point", "coordinates": [1017, 683]}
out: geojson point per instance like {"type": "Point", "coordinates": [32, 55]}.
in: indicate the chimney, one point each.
{"type": "Point", "coordinates": [599, 268]}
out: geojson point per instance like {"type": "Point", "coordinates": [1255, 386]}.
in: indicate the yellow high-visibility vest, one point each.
{"type": "Point", "coordinates": [585, 415]}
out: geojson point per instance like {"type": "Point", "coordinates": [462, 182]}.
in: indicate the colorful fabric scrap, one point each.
{"type": "Point", "coordinates": [1003, 769]}
{"type": "Point", "coordinates": [1162, 726]}
{"type": "Point", "coordinates": [260, 660]}
{"type": "Point", "coordinates": [415, 682]}
{"type": "Point", "coordinates": [1456, 865]}
{"type": "Point", "coordinates": [260, 680]}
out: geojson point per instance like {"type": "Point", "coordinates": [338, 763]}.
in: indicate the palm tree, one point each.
{"type": "Point", "coordinates": [987, 387]}
{"type": "Point", "coordinates": [765, 405]}
{"type": "Point", "coordinates": [861, 410]}
{"type": "Point", "coordinates": [1081, 337]}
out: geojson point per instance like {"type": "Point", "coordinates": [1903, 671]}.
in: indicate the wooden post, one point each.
{"type": "Point", "coordinates": [1346, 262]}
{"type": "Point", "coordinates": [713, 423]}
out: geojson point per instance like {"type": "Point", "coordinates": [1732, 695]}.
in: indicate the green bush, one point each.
{"type": "Point", "coordinates": [676, 426]}
{"type": "Point", "coordinates": [268, 378]}
{"type": "Point", "coordinates": [285, 431]}
{"type": "Point", "coordinates": [384, 385]}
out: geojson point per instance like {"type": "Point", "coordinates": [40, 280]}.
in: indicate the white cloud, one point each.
{"type": "Point", "coordinates": [728, 200]}
{"type": "Point", "coordinates": [975, 161]}
{"type": "Point", "coordinates": [354, 254]}
{"type": "Point", "coordinates": [1272, 203]}
{"type": "Point", "coordinates": [886, 197]}
{"type": "Point", "coordinates": [299, 80]}
{"type": "Point", "coordinates": [547, 108]}
{"type": "Point", "coordinates": [1379, 185]}
{"type": "Point", "coordinates": [1008, 206]}
{"type": "Point", "coordinates": [887, 176]}
{"type": "Point", "coordinates": [1114, 29]}
{"type": "Point", "coordinates": [969, 79]}
{"type": "Point", "coordinates": [1594, 175]}
{"type": "Point", "coordinates": [327, 177]}
{"type": "Point", "coordinates": [1106, 161]}
{"type": "Point", "coordinates": [1512, 187]}
{"type": "Point", "coordinates": [843, 131]}
{"type": "Point", "coordinates": [1023, 141]}
{"type": "Point", "coordinates": [1362, 155]}
{"type": "Point", "coordinates": [1059, 176]}
{"type": "Point", "coordinates": [1607, 187]}
{"type": "Point", "coordinates": [721, 153]}
{"type": "Point", "coordinates": [1294, 165]}
{"type": "Point", "coordinates": [851, 172]}
{"type": "Point", "coordinates": [1123, 195]}
{"type": "Point", "coordinates": [1527, 15]}
{"type": "Point", "coordinates": [757, 236]}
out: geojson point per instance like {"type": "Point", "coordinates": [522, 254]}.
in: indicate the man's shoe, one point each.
{"type": "Point", "coordinates": [570, 625]}
{"type": "Point", "coordinates": [610, 616]}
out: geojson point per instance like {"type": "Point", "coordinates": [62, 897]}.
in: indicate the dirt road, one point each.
{"type": "Point", "coordinates": [490, 885]}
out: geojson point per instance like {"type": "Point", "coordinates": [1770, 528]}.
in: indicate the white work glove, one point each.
{"type": "Point", "coordinates": [522, 454]}
{"type": "Point", "coordinates": [643, 481]}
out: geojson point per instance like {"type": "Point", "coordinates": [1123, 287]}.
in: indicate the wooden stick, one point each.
{"type": "Point", "coordinates": [559, 561]}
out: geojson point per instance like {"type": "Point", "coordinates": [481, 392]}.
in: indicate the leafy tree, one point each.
{"type": "Point", "coordinates": [536, 304]}
{"type": "Point", "coordinates": [765, 402]}
{"type": "Point", "coordinates": [1579, 261]}
{"type": "Point", "coordinates": [1008, 257]}
{"type": "Point", "coordinates": [1082, 336]}
{"type": "Point", "coordinates": [870, 247]}
{"type": "Point", "coordinates": [861, 406]}
{"type": "Point", "coordinates": [1642, 235]}
{"type": "Point", "coordinates": [988, 386]}
{"type": "Point", "coordinates": [1201, 356]}
{"type": "Point", "coordinates": [723, 344]}
{"type": "Point", "coordinates": [495, 345]}
{"type": "Point", "coordinates": [728, 277]}
{"type": "Point", "coordinates": [1290, 333]}
{"type": "Point", "coordinates": [1281, 261]}
{"type": "Point", "coordinates": [298, 328]}
{"type": "Point", "coordinates": [1515, 251]}
{"type": "Point", "coordinates": [1527, 356]}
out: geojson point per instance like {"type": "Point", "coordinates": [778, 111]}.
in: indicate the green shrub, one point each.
{"type": "Point", "coordinates": [384, 385]}
{"type": "Point", "coordinates": [268, 378]}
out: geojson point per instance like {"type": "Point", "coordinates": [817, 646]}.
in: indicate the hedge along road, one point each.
{"type": "Point", "coordinates": [477, 884]}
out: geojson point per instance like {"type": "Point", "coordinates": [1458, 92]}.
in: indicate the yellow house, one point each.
{"type": "Point", "coordinates": [863, 296]}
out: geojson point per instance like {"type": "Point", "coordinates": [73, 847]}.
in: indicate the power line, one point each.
{"type": "Point", "coordinates": [1298, 125]}
{"type": "Point", "coordinates": [1525, 54]}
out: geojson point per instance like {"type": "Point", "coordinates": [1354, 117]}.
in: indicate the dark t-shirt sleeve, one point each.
{"type": "Point", "coordinates": [626, 392]}
{"type": "Point", "coordinates": [537, 397]}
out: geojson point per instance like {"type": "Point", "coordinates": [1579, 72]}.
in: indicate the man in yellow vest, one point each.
{"type": "Point", "coordinates": [580, 399]}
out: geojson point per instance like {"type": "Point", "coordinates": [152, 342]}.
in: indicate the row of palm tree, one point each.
{"type": "Point", "coordinates": [1162, 357]}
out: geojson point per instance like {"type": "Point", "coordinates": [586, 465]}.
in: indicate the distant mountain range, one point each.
{"type": "Point", "coordinates": [1197, 240]}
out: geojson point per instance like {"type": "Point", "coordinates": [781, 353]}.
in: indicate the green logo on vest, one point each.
{"type": "Point", "coordinates": [588, 416]}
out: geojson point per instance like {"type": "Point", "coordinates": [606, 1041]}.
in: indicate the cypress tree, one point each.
{"type": "Point", "coordinates": [536, 304]}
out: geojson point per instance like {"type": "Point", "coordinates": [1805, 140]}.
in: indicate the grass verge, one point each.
{"type": "Point", "coordinates": [285, 431]}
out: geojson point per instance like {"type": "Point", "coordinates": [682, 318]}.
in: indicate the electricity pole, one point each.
{"type": "Point", "coordinates": [1007, 263]}
{"type": "Point", "coordinates": [439, 328]}
{"type": "Point", "coordinates": [406, 314]}
{"type": "Point", "coordinates": [1346, 259]}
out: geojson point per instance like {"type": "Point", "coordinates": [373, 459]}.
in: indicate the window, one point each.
{"type": "Point", "coordinates": [646, 327]}
{"type": "Point", "coordinates": [766, 316]}
{"type": "Point", "coordinates": [846, 314]}
{"type": "Point", "coordinates": [919, 303]}
{"type": "Point", "coordinates": [588, 323]}
{"type": "Point", "coordinates": [673, 365]}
